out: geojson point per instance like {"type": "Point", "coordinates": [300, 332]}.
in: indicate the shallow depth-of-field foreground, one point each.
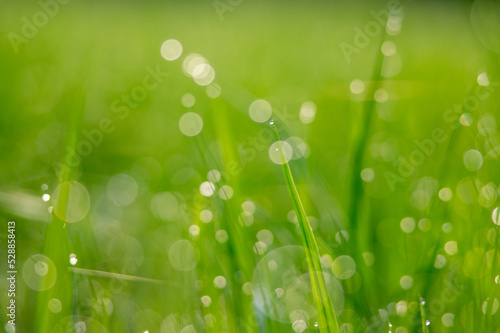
{"type": "Point", "coordinates": [250, 166]}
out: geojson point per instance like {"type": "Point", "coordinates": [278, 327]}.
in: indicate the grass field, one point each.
{"type": "Point", "coordinates": [250, 166]}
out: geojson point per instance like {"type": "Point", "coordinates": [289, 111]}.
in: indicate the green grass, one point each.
{"type": "Point", "coordinates": [314, 243]}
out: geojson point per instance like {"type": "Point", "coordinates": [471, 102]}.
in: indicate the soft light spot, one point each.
{"type": "Point", "coordinates": [265, 236]}
{"type": "Point", "coordinates": [495, 216]}
{"type": "Point", "coordinates": [475, 263]}
{"type": "Point", "coordinates": [440, 261]}
{"type": "Point", "coordinates": [402, 308]}
{"type": "Point", "coordinates": [393, 26]}
{"type": "Point", "coordinates": [190, 124]}
{"type": "Point", "coordinates": [260, 248]}
{"type": "Point", "coordinates": [388, 48]}
{"type": "Point", "coordinates": [46, 197]}
{"type": "Point", "coordinates": [299, 326]}
{"type": "Point", "coordinates": [487, 195]}
{"type": "Point", "coordinates": [188, 100]}
{"type": "Point", "coordinates": [490, 306]}
{"type": "Point", "coordinates": [369, 258]}
{"type": "Point", "coordinates": [357, 86]}
{"type": "Point", "coordinates": [300, 148]}
{"type": "Point", "coordinates": [213, 176]}
{"type": "Point", "coordinates": [420, 199]}
{"type": "Point", "coordinates": [473, 160]}
{"type": "Point", "coordinates": [220, 282]}
{"type": "Point", "coordinates": [307, 112]}
{"type": "Point", "coordinates": [55, 305]}
{"type": "Point", "coordinates": [204, 75]}
{"type": "Point", "coordinates": [171, 49]}
{"type": "Point", "coordinates": [194, 231]}
{"type": "Point", "coordinates": [213, 90]}
{"type": "Point", "coordinates": [447, 319]}
{"type": "Point", "coordinates": [207, 189]}
{"type": "Point", "coordinates": [182, 255]}
{"type": "Point", "coordinates": [39, 272]}
{"type": "Point", "coordinates": [466, 119]}
{"type": "Point", "coordinates": [445, 194]}
{"type": "Point", "coordinates": [280, 152]}
{"type": "Point", "coordinates": [247, 288]}
{"type": "Point", "coordinates": [406, 282]}
{"type": "Point", "coordinates": [451, 248]}
{"type": "Point", "coordinates": [279, 292]}
{"type": "Point", "coordinates": [248, 206]}
{"type": "Point", "coordinates": [425, 225]}
{"type": "Point", "coordinates": [71, 201]}
{"type": "Point", "coordinates": [346, 328]}
{"type": "Point", "coordinates": [381, 95]}
{"type": "Point", "coordinates": [260, 111]}
{"type": "Point", "coordinates": [122, 189]}
{"type": "Point", "coordinates": [447, 227]}
{"type": "Point", "coordinates": [206, 301]}
{"type": "Point", "coordinates": [487, 125]}
{"type": "Point", "coordinates": [367, 174]}
{"type": "Point", "coordinates": [221, 236]}
{"type": "Point", "coordinates": [80, 327]}
{"type": "Point", "coordinates": [343, 267]}
{"type": "Point", "coordinates": [164, 206]}
{"type": "Point", "coordinates": [483, 80]}
{"type": "Point", "coordinates": [206, 216]}
{"type": "Point", "coordinates": [407, 224]}
{"type": "Point", "coordinates": [246, 218]}
{"type": "Point", "coordinates": [226, 192]}
{"type": "Point", "coordinates": [341, 236]}
{"type": "Point", "coordinates": [194, 65]}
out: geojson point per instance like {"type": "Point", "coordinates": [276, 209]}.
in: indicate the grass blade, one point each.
{"type": "Point", "coordinates": [326, 316]}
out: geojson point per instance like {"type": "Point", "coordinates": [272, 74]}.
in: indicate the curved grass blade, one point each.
{"type": "Point", "coordinates": [327, 319]}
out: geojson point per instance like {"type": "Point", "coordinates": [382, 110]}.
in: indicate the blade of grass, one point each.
{"type": "Point", "coordinates": [423, 316]}
{"type": "Point", "coordinates": [327, 319]}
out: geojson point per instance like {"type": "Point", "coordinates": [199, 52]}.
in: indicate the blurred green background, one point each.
{"type": "Point", "coordinates": [148, 196]}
